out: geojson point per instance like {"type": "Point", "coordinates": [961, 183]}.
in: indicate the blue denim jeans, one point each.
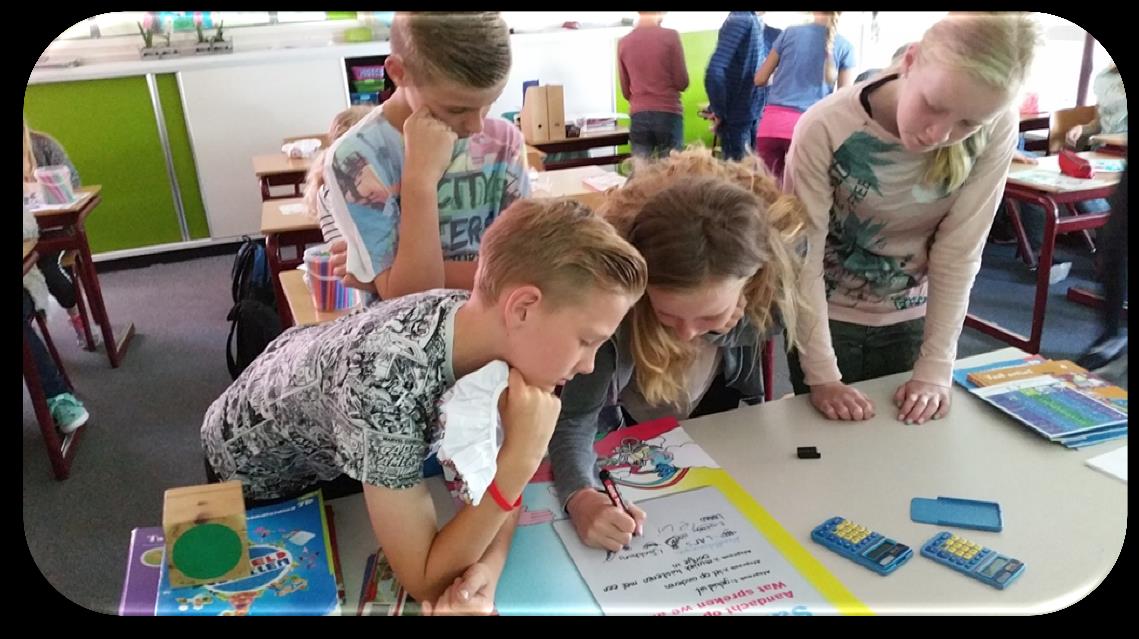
{"type": "Point", "coordinates": [655, 133]}
{"type": "Point", "coordinates": [736, 140]}
{"type": "Point", "coordinates": [50, 378]}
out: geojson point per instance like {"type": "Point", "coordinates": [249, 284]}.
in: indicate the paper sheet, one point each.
{"type": "Point", "coordinates": [293, 209]}
{"type": "Point", "coordinates": [698, 556]}
{"type": "Point", "coordinates": [1113, 463]}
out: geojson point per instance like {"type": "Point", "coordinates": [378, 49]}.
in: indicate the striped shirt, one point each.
{"type": "Point", "coordinates": [741, 47]}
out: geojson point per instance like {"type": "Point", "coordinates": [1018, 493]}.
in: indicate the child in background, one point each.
{"type": "Point", "coordinates": [40, 149]}
{"type": "Point", "coordinates": [415, 184]}
{"type": "Point", "coordinates": [733, 99]}
{"type": "Point", "coordinates": [902, 177]}
{"type": "Point", "coordinates": [360, 396]}
{"type": "Point", "coordinates": [718, 238]}
{"type": "Point", "coordinates": [316, 193]}
{"type": "Point", "coordinates": [66, 410]}
{"type": "Point", "coordinates": [651, 64]}
{"type": "Point", "coordinates": [1111, 117]}
{"type": "Point", "coordinates": [812, 59]}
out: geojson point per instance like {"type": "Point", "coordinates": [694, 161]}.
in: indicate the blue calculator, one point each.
{"type": "Point", "coordinates": [862, 545]}
{"type": "Point", "coordinates": [983, 564]}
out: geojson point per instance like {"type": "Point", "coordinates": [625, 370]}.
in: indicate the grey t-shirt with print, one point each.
{"type": "Point", "coordinates": [358, 396]}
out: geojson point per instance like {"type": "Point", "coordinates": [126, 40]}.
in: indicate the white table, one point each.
{"type": "Point", "coordinates": [1065, 521]}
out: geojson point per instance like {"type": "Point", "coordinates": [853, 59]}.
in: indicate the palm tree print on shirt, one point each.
{"type": "Point", "coordinates": [851, 259]}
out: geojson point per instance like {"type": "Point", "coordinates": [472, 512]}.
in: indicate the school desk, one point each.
{"type": "Point", "coordinates": [589, 140]}
{"type": "Point", "coordinates": [1049, 197]}
{"type": "Point", "coordinates": [1035, 122]}
{"type": "Point", "coordinates": [278, 169]}
{"type": "Point", "coordinates": [63, 229]}
{"type": "Point", "coordinates": [299, 300]}
{"type": "Point", "coordinates": [568, 183]}
{"type": "Point", "coordinates": [294, 230]}
{"type": "Point", "coordinates": [1065, 521]}
{"type": "Point", "coordinates": [60, 452]}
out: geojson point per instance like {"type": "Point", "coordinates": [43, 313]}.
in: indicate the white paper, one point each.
{"type": "Point", "coordinates": [1113, 463]}
{"type": "Point", "coordinates": [698, 556]}
{"type": "Point", "coordinates": [292, 209]}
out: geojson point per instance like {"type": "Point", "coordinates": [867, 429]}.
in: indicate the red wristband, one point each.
{"type": "Point", "coordinates": [500, 500]}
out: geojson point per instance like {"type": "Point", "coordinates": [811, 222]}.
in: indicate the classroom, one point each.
{"type": "Point", "coordinates": [530, 313]}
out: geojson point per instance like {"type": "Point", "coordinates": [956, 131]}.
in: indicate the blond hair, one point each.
{"type": "Point", "coordinates": [994, 48]}
{"type": "Point", "coordinates": [830, 73]}
{"type": "Point", "coordinates": [697, 219]}
{"type": "Point", "coordinates": [470, 49]}
{"type": "Point", "coordinates": [343, 121]}
{"type": "Point", "coordinates": [561, 247]}
{"type": "Point", "coordinates": [29, 155]}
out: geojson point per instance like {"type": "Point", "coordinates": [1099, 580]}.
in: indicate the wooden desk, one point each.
{"type": "Point", "coordinates": [1111, 139]}
{"type": "Point", "coordinates": [585, 142]}
{"type": "Point", "coordinates": [568, 183]}
{"type": "Point", "coordinates": [1036, 122]}
{"type": "Point", "coordinates": [535, 159]}
{"type": "Point", "coordinates": [1049, 196]}
{"type": "Point", "coordinates": [1066, 521]}
{"type": "Point", "coordinates": [278, 169]}
{"type": "Point", "coordinates": [60, 452]}
{"type": "Point", "coordinates": [299, 300]}
{"type": "Point", "coordinates": [29, 259]}
{"type": "Point", "coordinates": [63, 229]}
{"type": "Point", "coordinates": [297, 230]}
{"type": "Point", "coordinates": [1114, 144]}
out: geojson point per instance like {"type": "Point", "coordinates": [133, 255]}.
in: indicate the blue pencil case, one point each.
{"type": "Point", "coordinates": [962, 513]}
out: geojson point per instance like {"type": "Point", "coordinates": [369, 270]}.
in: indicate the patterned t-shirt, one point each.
{"type": "Point", "coordinates": [364, 169]}
{"type": "Point", "coordinates": [358, 396]}
{"type": "Point", "coordinates": [886, 246]}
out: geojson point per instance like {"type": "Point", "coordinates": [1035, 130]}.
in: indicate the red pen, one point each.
{"type": "Point", "coordinates": [615, 496]}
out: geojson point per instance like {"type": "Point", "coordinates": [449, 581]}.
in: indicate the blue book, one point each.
{"type": "Point", "coordinates": [290, 550]}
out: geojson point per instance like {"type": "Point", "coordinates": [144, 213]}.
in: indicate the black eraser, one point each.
{"type": "Point", "coordinates": [808, 452]}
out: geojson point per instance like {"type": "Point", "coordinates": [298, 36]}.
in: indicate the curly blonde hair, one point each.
{"type": "Point", "coordinates": [697, 219]}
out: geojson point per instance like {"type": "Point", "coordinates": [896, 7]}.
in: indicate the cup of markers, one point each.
{"type": "Point", "coordinates": [328, 292]}
{"type": "Point", "coordinates": [55, 184]}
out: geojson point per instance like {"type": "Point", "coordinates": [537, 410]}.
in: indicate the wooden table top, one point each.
{"type": "Point", "coordinates": [277, 163]}
{"type": "Point", "coordinates": [273, 220]}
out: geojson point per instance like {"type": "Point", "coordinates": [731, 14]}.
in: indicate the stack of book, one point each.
{"type": "Point", "coordinates": [1055, 398]}
{"type": "Point", "coordinates": [297, 571]}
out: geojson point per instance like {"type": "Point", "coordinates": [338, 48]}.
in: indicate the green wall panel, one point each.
{"type": "Point", "coordinates": [180, 150]}
{"type": "Point", "coordinates": [109, 130]}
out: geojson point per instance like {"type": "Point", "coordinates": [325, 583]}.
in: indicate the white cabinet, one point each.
{"type": "Point", "coordinates": [234, 113]}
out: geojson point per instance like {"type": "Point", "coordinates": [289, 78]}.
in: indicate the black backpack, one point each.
{"type": "Point", "coordinates": [254, 319]}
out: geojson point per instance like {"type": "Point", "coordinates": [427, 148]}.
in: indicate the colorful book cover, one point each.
{"type": "Point", "coordinates": [1002, 375]}
{"type": "Point", "coordinates": [144, 571]}
{"type": "Point", "coordinates": [1111, 433]}
{"type": "Point", "coordinates": [1055, 408]}
{"type": "Point", "coordinates": [293, 570]}
{"type": "Point", "coordinates": [961, 375]}
{"type": "Point", "coordinates": [381, 594]}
